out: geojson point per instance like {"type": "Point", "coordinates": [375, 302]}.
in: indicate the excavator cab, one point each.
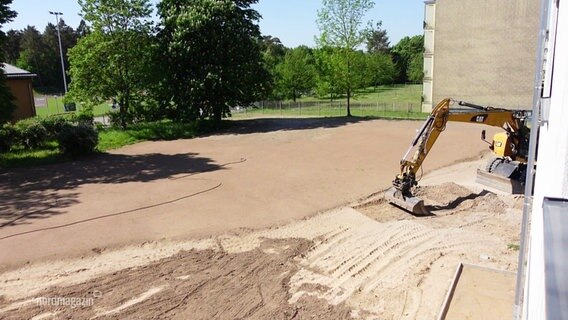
{"type": "Point", "coordinates": [502, 146]}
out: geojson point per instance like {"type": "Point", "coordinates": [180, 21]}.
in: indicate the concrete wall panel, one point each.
{"type": "Point", "coordinates": [485, 51]}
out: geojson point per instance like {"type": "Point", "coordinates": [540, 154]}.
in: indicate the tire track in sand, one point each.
{"type": "Point", "coordinates": [373, 262]}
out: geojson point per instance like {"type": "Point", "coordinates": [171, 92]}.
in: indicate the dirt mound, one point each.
{"type": "Point", "coordinates": [443, 193]}
{"type": "Point", "coordinates": [206, 284]}
{"type": "Point", "coordinates": [444, 199]}
{"type": "Point", "coordinates": [450, 197]}
{"type": "Point", "coordinates": [382, 211]}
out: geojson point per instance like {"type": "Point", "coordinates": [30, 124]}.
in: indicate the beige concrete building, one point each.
{"type": "Point", "coordinates": [480, 51]}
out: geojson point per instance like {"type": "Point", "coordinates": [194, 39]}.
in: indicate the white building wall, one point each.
{"type": "Point", "coordinates": [430, 13]}
{"type": "Point", "coordinates": [484, 51]}
{"type": "Point", "coordinates": [429, 34]}
{"type": "Point", "coordinates": [552, 168]}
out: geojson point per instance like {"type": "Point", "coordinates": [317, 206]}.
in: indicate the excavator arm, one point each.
{"type": "Point", "coordinates": [401, 193]}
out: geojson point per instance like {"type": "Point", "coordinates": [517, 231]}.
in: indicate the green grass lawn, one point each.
{"type": "Point", "coordinates": [102, 109]}
{"type": "Point", "coordinates": [19, 157]}
{"type": "Point", "coordinates": [399, 101]}
{"type": "Point", "coordinates": [55, 106]}
{"type": "Point", "coordinates": [380, 111]}
{"type": "Point", "coordinates": [397, 93]}
{"type": "Point", "coordinates": [392, 101]}
{"type": "Point", "coordinates": [111, 138]}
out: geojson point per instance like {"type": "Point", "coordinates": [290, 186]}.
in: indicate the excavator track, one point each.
{"type": "Point", "coordinates": [502, 175]}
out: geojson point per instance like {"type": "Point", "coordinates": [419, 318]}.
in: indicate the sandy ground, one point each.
{"type": "Point", "coordinates": [258, 174]}
{"type": "Point", "coordinates": [478, 288]}
{"type": "Point", "coordinates": [252, 248]}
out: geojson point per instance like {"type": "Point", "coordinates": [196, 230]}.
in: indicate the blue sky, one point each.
{"type": "Point", "coordinates": [293, 21]}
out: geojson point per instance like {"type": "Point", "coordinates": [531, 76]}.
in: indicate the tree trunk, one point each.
{"type": "Point", "coordinates": [126, 106]}
{"type": "Point", "coordinates": [122, 112]}
{"type": "Point", "coordinates": [217, 116]}
{"type": "Point", "coordinates": [349, 102]}
{"type": "Point", "coordinates": [347, 56]}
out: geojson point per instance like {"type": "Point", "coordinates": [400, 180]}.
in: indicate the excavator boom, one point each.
{"type": "Point", "coordinates": [509, 120]}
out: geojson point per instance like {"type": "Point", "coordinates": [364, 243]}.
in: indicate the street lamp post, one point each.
{"type": "Point", "coordinates": [57, 14]}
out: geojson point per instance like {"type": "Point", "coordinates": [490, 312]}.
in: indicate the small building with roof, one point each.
{"type": "Point", "coordinates": [19, 82]}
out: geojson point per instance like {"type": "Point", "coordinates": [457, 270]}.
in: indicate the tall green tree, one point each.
{"type": "Point", "coordinates": [363, 70]}
{"type": "Point", "coordinates": [12, 46]}
{"type": "Point", "coordinates": [39, 53]}
{"type": "Point", "coordinates": [273, 48]}
{"type": "Point", "coordinates": [382, 69]}
{"type": "Point", "coordinates": [212, 57]}
{"type": "Point", "coordinates": [273, 53]}
{"type": "Point", "coordinates": [415, 72]}
{"type": "Point", "coordinates": [377, 39]}
{"type": "Point", "coordinates": [405, 51]}
{"type": "Point", "coordinates": [111, 62]}
{"type": "Point", "coordinates": [341, 25]}
{"type": "Point", "coordinates": [296, 74]}
{"type": "Point", "coordinates": [7, 106]}
{"type": "Point", "coordinates": [329, 81]}
{"type": "Point", "coordinates": [32, 50]}
{"type": "Point", "coordinates": [49, 69]}
{"type": "Point", "coordinates": [82, 29]}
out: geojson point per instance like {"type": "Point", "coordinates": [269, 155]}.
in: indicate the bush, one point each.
{"type": "Point", "coordinates": [7, 136]}
{"type": "Point", "coordinates": [8, 107]}
{"type": "Point", "coordinates": [146, 110]}
{"type": "Point", "coordinates": [114, 119]}
{"type": "Point", "coordinates": [85, 117]}
{"type": "Point", "coordinates": [31, 133]}
{"type": "Point", "coordinates": [53, 125]}
{"type": "Point", "coordinates": [78, 140]}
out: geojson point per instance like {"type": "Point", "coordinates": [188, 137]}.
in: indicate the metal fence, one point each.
{"type": "Point", "coordinates": [398, 110]}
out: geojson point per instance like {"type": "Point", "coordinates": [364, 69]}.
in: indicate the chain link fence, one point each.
{"type": "Point", "coordinates": [390, 110]}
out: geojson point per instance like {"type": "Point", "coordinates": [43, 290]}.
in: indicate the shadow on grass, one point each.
{"type": "Point", "coordinates": [28, 158]}
{"type": "Point", "coordinates": [113, 138]}
{"type": "Point", "coordinates": [41, 192]}
{"type": "Point", "coordinates": [164, 130]}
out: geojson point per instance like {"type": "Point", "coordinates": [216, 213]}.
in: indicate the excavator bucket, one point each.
{"type": "Point", "coordinates": [412, 204]}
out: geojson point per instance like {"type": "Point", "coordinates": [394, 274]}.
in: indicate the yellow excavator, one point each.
{"type": "Point", "coordinates": [506, 171]}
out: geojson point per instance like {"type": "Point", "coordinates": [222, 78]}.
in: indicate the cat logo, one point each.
{"type": "Point", "coordinates": [479, 119]}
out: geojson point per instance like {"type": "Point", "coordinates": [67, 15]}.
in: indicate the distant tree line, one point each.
{"type": "Point", "coordinates": [7, 106]}
{"type": "Point", "coordinates": [204, 57]}
{"type": "Point", "coordinates": [38, 52]}
{"type": "Point", "coordinates": [338, 67]}
{"type": "Point", "coordinates": [302, 70]}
